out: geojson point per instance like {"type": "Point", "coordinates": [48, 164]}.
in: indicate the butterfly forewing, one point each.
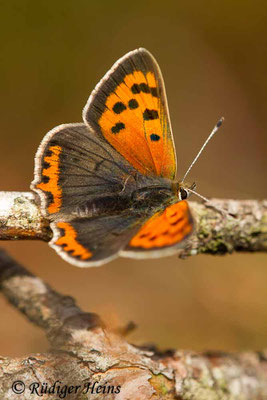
{"type": "Point", "coordinates": [129, 109]}
{"type": "Point", "coordinates": [74, 168]}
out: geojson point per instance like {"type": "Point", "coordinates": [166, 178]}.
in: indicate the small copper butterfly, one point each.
{"type": "Point", "coordinates": [108, 185]}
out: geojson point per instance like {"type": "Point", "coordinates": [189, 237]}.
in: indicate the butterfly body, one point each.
{"type": "Point", "coordinates": [108, 185]}
{"type": "Point", "coordinates": [140, 200]}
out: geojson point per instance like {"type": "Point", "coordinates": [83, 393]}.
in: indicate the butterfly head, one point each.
{"type": "Point", "coordinates": [183, 190]}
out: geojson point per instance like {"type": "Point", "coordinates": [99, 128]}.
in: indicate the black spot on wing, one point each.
{"type": "Point", "coordinates": [143, 235]}
{"type": "Point", "coordinates": [118, 107]}
{"type": "Point", "coordinates": [143, 87]}
{"type": "Point", "coordinates": [154, 91]}
{"type": "Point", "coordinates": [154, 137]}
{"type": "Point", "coordinates": [117, 127]}
{"type": "Point", "coordinates": [49, 198]}
{"type": "Point", "coordinates": [48, 153]}
{"type": "Point", "coordinates": [177, 221]}
{"type": "Point", "coordinates": [45, 179]}
{"type": "Point", "coordinates": [133, 104]}
{"type": "Point", "coordinates": [135, 89]}
{"type": "Point", "coordinates": [153, 238]}
{"type": "Point", "coordinates": [150, 114]}
{"type": "Point", "coordinates": [45, 165]}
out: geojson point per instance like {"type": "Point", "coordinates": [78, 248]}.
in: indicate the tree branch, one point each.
{"type": "Point", "coordinates": [84, 352]}
{"type": "Point", "coordinates": [20, 217]}
{"type": "Point", "coordinates": [244, 229]}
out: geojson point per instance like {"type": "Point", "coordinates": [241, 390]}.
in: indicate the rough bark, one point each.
{"type": "Point", "coordinates": [20, 217]}
{"type": "Point", "coordinates": [84, 353]}
{"type": "Point", "coordinates": [242, 228]}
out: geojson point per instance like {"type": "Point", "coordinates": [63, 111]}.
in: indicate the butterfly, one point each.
{"type": "Point", "coordinates": [108, 185]}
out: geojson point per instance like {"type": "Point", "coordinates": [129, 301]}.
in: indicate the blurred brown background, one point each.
{"type": "Point", "coordinates": [214, 60]}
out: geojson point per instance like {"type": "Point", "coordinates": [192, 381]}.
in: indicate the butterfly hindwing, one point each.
{"type": "Point", "coordinates": [162, 233]}
{"type": "Point", "coordinates": [87, 242]}
{"type": "Point", "coordinates": [129, 109]}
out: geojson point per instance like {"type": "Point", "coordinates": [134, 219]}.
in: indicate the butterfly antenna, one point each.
{"type": "Point", "coordinates": [215, 129]}
{"type": "Point", "coordinates": [223, 212]}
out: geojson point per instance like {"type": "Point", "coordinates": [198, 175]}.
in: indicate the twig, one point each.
{"type": "Point", "coordinates": [84, 352]}
{"type": "Point", "coordinates": [244, 229]}
{"type": "Point", "coordinates": [42, 305]}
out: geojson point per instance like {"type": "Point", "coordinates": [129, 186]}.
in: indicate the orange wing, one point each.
{"type": "Point", "coordinates": [163, 230]}
{"type": "Point", "coordinates": [129, 109]}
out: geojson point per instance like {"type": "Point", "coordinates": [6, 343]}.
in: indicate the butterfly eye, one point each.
{"type": "Point", "coordinates": [183, 194]}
